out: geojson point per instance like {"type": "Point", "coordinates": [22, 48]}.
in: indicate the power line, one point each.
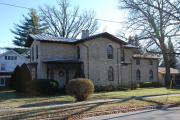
{"type": "Point", "coordinates": [12, 5]}
{"type": "Point", "coordinates": [22, 7]}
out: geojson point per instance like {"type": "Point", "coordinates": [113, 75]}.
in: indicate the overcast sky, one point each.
{"type": "Point", "coordinates": [105, 9]}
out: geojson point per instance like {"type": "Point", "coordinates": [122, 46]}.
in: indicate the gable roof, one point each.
{"type": "Point", "coordinates": [52, 39]}
{"type": "Point", "coordinates": [9, 51]}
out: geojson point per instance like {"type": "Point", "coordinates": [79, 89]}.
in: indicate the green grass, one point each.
{"type": "Point", "coordinates": [139, 92]}
{"type": "Point", "coordinates": [11, 100]}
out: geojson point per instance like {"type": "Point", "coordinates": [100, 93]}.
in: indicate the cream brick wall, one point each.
{"type": "Point", "coordinates": [96, 64]}
{"type": "Point", "coordinates": [144, 68]}
{"type": "Point", "coordinates": [98, 61]}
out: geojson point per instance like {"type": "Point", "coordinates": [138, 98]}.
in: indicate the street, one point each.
{"type": "Point", "coordinates": [163, 114]}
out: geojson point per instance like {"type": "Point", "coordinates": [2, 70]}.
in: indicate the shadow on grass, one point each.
{"type": "Point", "coordinates": [69, 111]}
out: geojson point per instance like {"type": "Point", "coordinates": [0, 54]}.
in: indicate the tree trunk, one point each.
{"type": "Point", "coordinates": [167, 66]}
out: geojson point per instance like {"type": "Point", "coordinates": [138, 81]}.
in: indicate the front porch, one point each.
{"type": "Point", "coordinates": [62, 70]}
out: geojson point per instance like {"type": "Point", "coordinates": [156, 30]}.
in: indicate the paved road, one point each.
{"type": "Point", "coordinates": [166, 114]}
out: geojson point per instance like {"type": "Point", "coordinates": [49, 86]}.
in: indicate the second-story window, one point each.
{"type": "Point", "coordinates": [137, 61]}
{"type": "Point", "coordinates": [110, 52]}
{"type": "Point", "coordinates": [78, 52]}
{"type": "Point", "coordinates": [37, 52]}
{"type": "Point", "coordinates": [150, 62]}
{"type": "Point", "coordinates": [122, 55]}
{"type": "Point", "coordinates": [32, 52]}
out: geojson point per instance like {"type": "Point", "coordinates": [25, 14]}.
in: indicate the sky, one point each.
{"type": "Point", "coordinates": [104, 9]}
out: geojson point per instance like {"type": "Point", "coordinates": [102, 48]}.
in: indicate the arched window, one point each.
{"type": "Point", "coordinates": [110, 52]}
{"type": "Point", "coordinates": [150, 62]}
{"type": "Point", "coordinates": [150, 75]}
{"type": "Point", "coordinates": [78, 52]}
{"type": "Point", "coordinates": [110, 74]}
{"type": "Point", "coordinates": [138, 75]}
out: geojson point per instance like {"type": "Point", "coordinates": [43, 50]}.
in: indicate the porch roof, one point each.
{"type": "Point", "coordinates": [162, 70]}
{"type": "Point", "coordinates": [62, 60]}
{"type": "Point", "coordinates": [5, 73]}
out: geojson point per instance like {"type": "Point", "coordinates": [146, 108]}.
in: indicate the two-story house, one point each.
{"type": "Point", "coordinates": [8, 61]}
{"type": "Point", "coordinates": [104, 58]}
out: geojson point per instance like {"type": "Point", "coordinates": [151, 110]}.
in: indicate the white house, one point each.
{"type": "Point", "coordinates": [8, 61]}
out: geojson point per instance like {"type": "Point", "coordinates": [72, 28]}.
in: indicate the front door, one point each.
{"type": "Point", "coordinates": [62, 78]}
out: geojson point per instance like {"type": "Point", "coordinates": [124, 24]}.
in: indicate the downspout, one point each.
{"type": "Point", "coordinates": [118, 63]}
{"type": "Point", "coordinates": [87, 58]}
{"type": "Point", "coordinates": [132, 86]}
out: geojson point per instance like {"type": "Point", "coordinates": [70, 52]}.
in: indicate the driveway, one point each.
{"type": "Point", "coordinates": [163, 114]}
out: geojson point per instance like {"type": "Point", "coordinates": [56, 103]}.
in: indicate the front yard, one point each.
{"type": "Point", "coordinates": [127, 101]}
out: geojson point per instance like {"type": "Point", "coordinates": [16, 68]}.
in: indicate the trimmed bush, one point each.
{"type": "Point", "coordinates": [21, 78]}
{"type": "Point", "coordinates": [44, 87]}
{"type": "Point", "coordinates": [150, 84]}
{"type": "Point", "coordinates": [109, 88]}
{"type": "Point", "coordinates": [80, 88]}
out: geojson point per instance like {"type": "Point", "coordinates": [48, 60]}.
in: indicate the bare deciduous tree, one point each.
{"type": "Point", "coordinates": [66, 21]}
{"type": "Point", "coordinates": [156, 23]}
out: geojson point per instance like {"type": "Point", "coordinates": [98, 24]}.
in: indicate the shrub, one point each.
{"type": "Point", "coordinates": [150, 84]}
{"type": "Point", "coordinates": [21, 78]}
{"type": "Point", "coordinates": [108, 88]}
{"type": "Point", "coordinates": [14, 77]}
{"type": "Point", "coordinates": [44, 87]}
{"type": "Point", "coordinates": [80, 88]}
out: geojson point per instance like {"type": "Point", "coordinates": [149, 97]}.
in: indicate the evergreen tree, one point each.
{"type": "Point", "coordinates": [135, 41]}
{"type": "Point", "coordinates": [172, 55]}
{"type": "Point", "coordinates": [31, 25]}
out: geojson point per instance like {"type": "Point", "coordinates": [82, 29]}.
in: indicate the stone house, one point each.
{"type": "Point", "coordinates": [104, 58]}
{"type": "Point", "coordinates": [8, 61]}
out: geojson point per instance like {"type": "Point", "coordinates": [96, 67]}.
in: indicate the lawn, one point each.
{"type": "Point", "coordinates": [8, 99]}
{"type": "Point", "coordinates": [132, 100]}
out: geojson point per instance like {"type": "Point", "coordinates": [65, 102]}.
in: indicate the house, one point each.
{"type": "Point", "coordinates": [104, 58]}
{"type": "Point", "coordinates": [8, 61]}
{"type": "Point", "coordinates": [174, 74]}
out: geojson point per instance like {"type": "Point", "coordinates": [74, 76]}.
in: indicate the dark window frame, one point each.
{"type": "Point", "coordinates": [37, 50]}
{"type": "Point", "coordinates": [138, 75]}
{"type": "Point", "coordinates": [110, 74]}
{"type": "Point", "coordinates": [150, 62]}
{"type": "Point", "coordinates": [78, 52]}
{"type": "Point", "coordinates": [3, 68]}
{"type": "Point", "coordinates": [151, 75]}
{"type": "Point", "coordinates": [110, 52]}
{"type": "Point", "coordinates": [138, 62]}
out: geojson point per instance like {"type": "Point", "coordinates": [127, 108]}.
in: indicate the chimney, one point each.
{"type": "Point", "coordinates": [85, 33]}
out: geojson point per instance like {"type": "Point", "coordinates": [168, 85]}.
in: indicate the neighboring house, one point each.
{"type": "Point", "coordinates": [8, 61]}
{"type": "Point", "coordinates": [104, 58]}
{"type": "Point", "coordinates": [174, 75]}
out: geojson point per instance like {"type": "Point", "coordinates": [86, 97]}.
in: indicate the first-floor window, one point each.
{"type": "Point", "coordinates": [3, 68]}
{"type": "Point", "coordinates": [2, 81]}
{"type": "Point", "coordinates": [138, 75]}
{"type": "Point", "coordinates": [110, 74]}
{"type": "Point", "coordinates": [150, 75]}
